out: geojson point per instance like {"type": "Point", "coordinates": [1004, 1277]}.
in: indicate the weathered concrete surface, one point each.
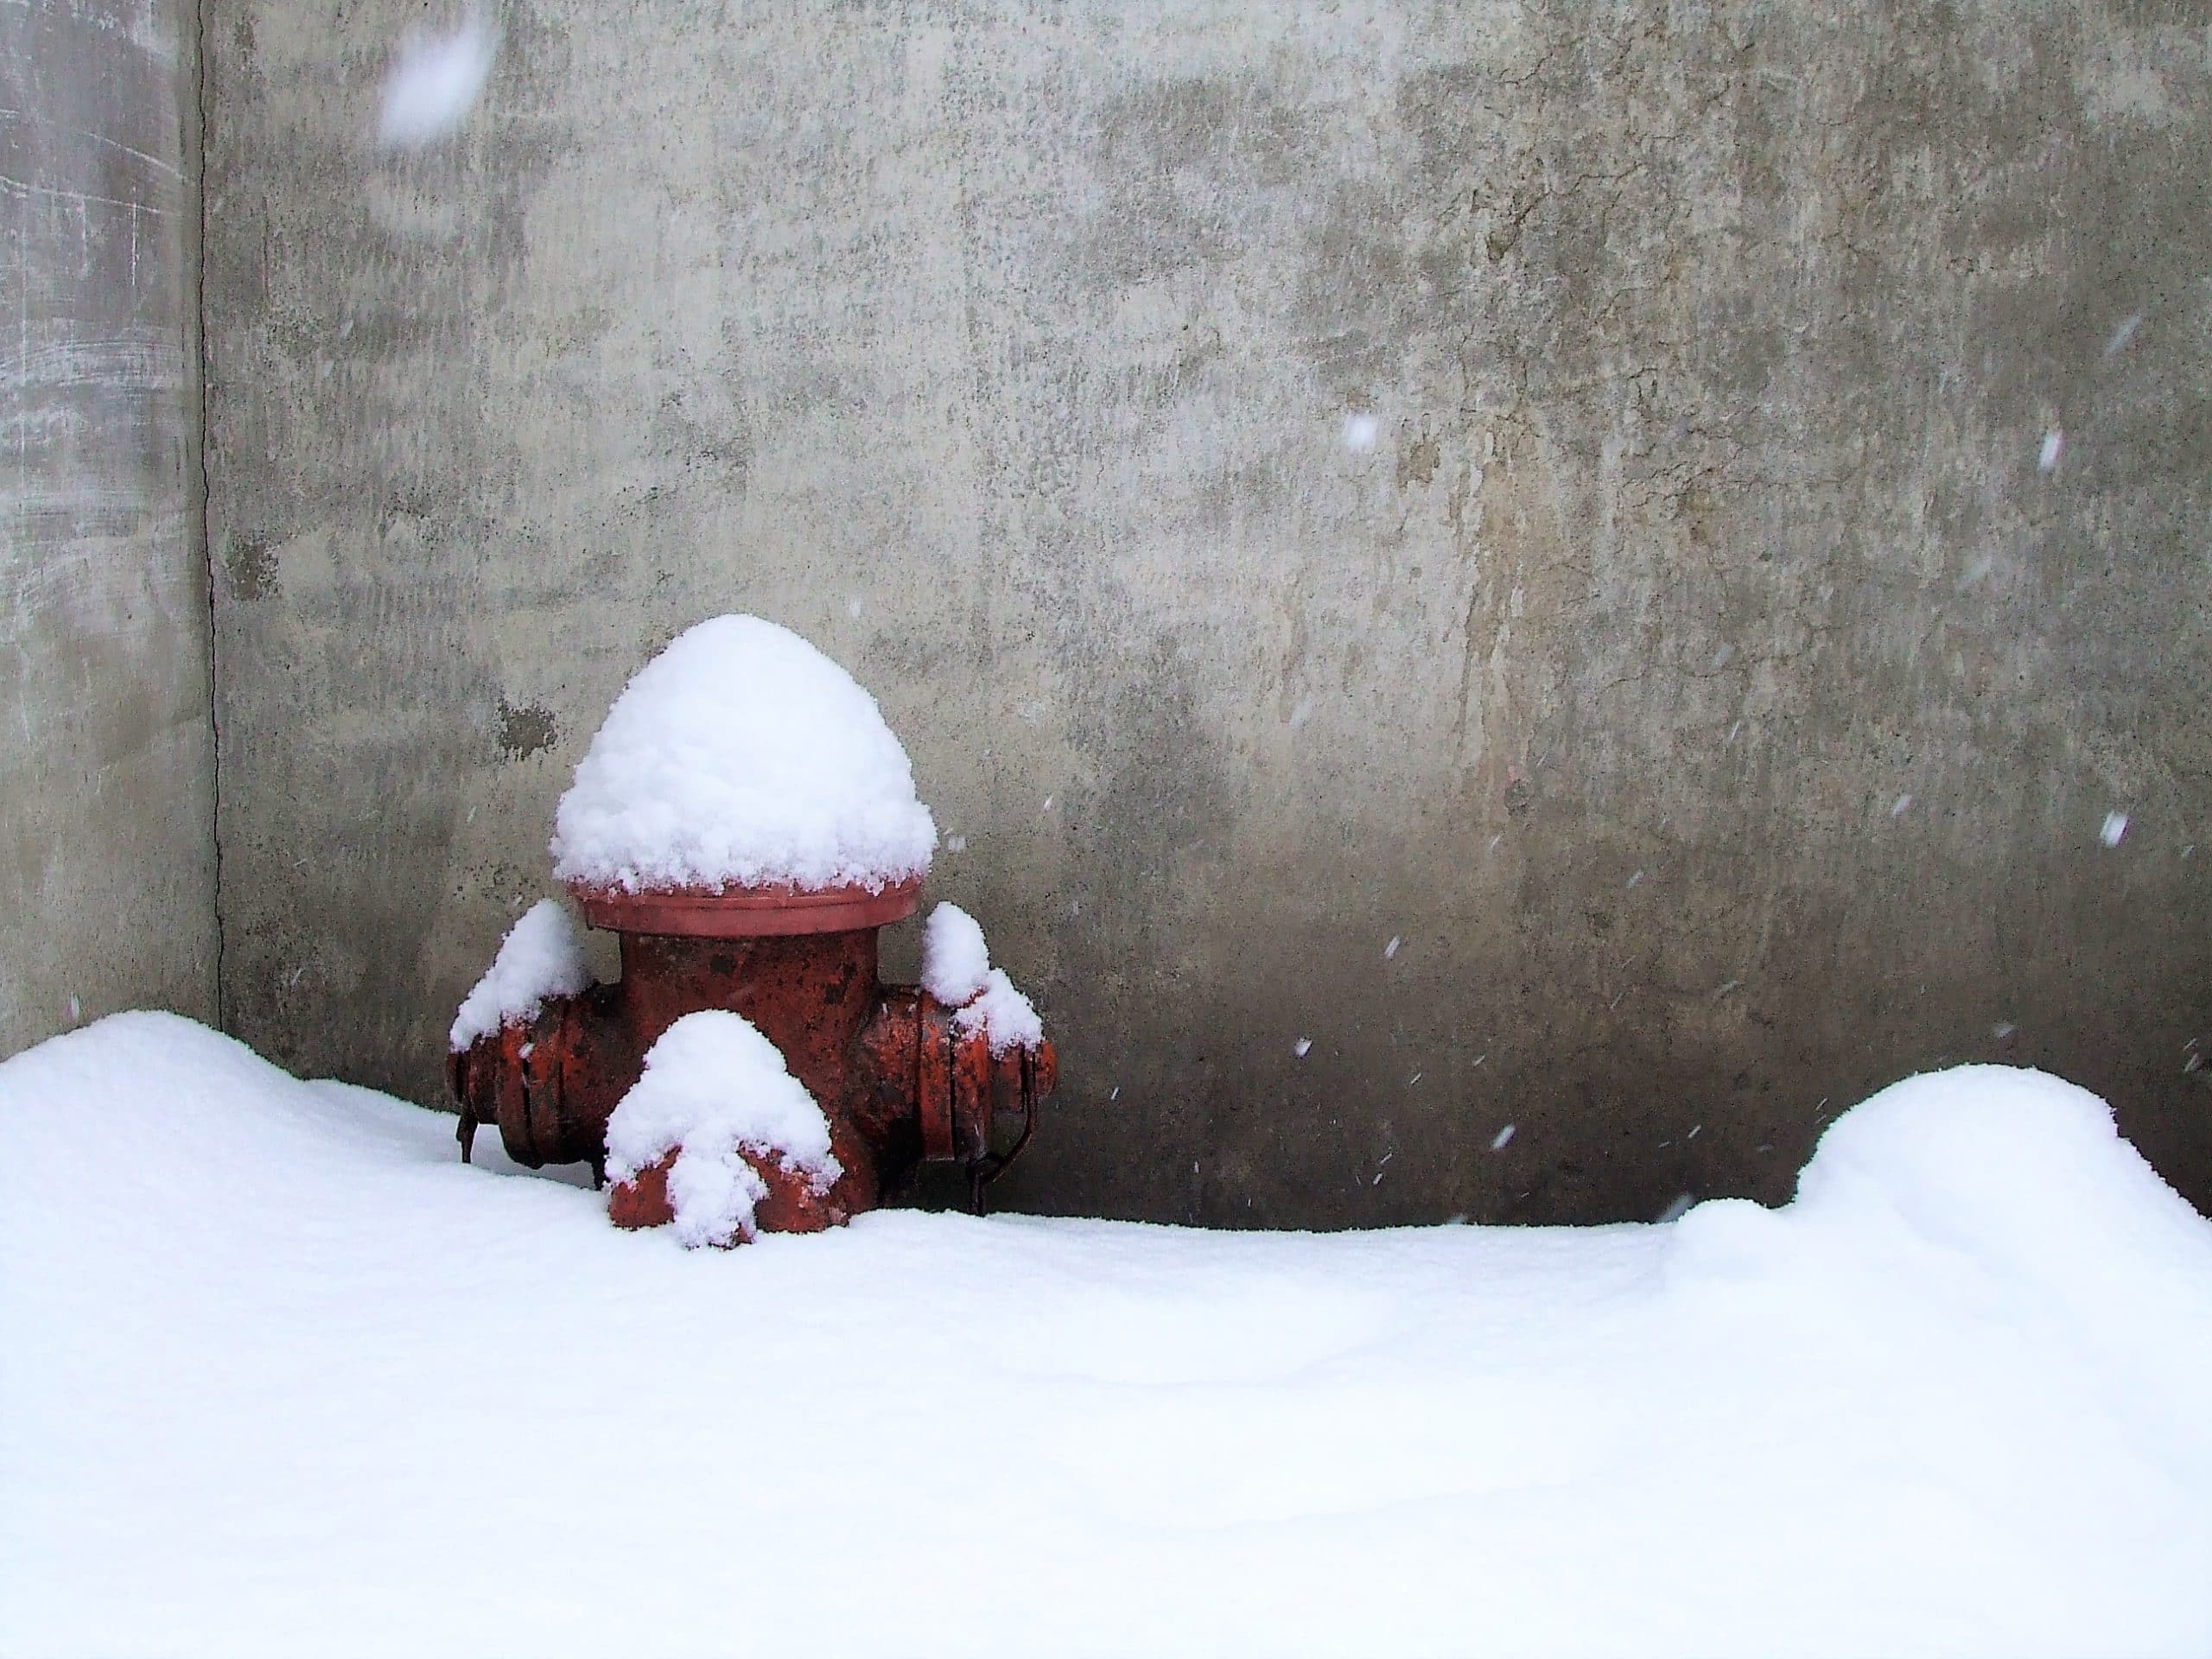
{"type": "Point", "coordinates": [107, 883]}
{"type": "Point", "coordinates": [1006, 351]}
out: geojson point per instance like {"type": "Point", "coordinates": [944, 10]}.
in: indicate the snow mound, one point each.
{"type": "Point", "coordinates": [716, 1088]}
{"type": "Point", "coordinates": [1003, 1014]}
{"type": "Point", "coordinates": [1949, 1403]}
{"type": "Point", "coordinates": [542, 957]}
{"type": "Point", "coordinates": [956, 962]}
{"type": "Point", "coordinates": [1996, 1159]}
{"type": "Point", "coordinates": [2031, 1235]}
{"type": "Point", "coordinates": [742, 756]}
{"type": "Point", "coordinates": [2020, 1173]}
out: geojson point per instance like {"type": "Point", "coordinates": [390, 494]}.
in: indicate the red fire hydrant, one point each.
{"type": "Point", "coordinates": [901, 1080]}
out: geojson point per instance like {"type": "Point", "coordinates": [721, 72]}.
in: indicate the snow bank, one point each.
{"type": "Point", "coordinates": [2004, 1192]}
{"type": "Point", "coordinates": [1949, 1403]}
{"type": "Point", "coordinates": [716, 1087]}
{"type": "Point", "coordinates": [741, 755]}
{"type": "Point", "coordinates": [542, 955]}
{"type": "Point", "coordinates": [956, 962]}
{"type": "Point", "coordinates": [956, 970]}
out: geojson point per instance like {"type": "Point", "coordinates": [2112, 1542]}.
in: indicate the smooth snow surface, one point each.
{"type": "Point", "coordinates": [279, 1376]}
{"type": "Point", "coordinates": [956, 962]}
{"type": "Point", "coordinates": [434, 82]}
{"type": "Point", "coordinates": [542, 955]}
{"type": "Point", "coordinates": [741, 755]}
{"type": "Point", "coordinates": [716, 1087]}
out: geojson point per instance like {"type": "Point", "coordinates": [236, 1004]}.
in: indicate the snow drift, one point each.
{"type": "Point", "coordinates": [742, 756]}
{"type": "Point", "coordinates": [278, 1376]}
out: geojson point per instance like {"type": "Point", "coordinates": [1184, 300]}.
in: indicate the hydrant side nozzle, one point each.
{"type": "Point", "coordinates": [524, 1078]}
{"type": "Point", "coordinates": [956, 1085]}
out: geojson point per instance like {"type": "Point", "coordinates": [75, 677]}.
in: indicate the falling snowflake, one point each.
{"type": "Point", "coordinates": [434, 81]}
{"type": "Point", "coordinates": [2115, 826]}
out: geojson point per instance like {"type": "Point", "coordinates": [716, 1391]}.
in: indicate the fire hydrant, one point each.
{"type": "Point", "coordinates": [901, 1081]}
{"type": "Point", "coordinates": [746, 822]}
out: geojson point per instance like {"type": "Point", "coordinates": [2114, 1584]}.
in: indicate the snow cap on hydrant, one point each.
{"type": "Point", "coordinates": [745, 821]}
{"type": "Point", "coordinates": [741, 756]}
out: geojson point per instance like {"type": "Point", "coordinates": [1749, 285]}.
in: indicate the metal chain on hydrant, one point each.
{"type": "Point", "coordinates": [982, 1172]}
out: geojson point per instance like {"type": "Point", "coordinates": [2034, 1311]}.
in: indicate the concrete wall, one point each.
{"type": "Point", "coordinates": [107, 879]}
{"type": "Point", "coordinates": [1699, 677]}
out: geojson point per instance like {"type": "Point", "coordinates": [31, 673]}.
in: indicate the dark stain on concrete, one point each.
{"type": "Point", "coordinates": [1418, 461]}
{"type": "Point", "coordinates": [252, 568]}
{"type": "Point", "coordinates": [528, 730]}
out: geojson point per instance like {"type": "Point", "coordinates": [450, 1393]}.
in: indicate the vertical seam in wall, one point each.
{"type": "Point", "coordinates": [199, 137]}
